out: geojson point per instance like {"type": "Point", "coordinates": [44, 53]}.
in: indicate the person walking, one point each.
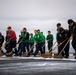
{"type": "Point", "coordinates": [58, 36]}
{"type": "Point", "coordinates": [50, 39]}
{"type": "Point", "coordinates": [72, 29]}
{"type": "Point", "coordinates": [31, 43]}
{"type": "Point", "coordinates": [64, 35]}
{"type": "Point", "coordinates": [12, 41]}
{"type": "Point", "coordinates": [38, 40]}
{"type": "Point", "coordinates": [1, 43]}
{"type": "Point", "coordinates": [25, 42]}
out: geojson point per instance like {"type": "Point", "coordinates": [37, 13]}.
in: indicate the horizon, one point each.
{"type": "Point", "coordinates": [36, 14]}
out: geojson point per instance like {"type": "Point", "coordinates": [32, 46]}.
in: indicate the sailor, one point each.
{"type": "Point", "coordinates": [19, 44]}
{"type": "Point", "coordinates": [64, 35]}
{"type": "Point", "coordinates": [25, 42]}
{"type": "Point", "coordinates": [50, 39]}
{"type": "Point", "coordinates": [72, 29]}
{"type": "Point", "coordinates": [38, 39]}
{"type": "Point", "coordinates": [57, 35]}
{"type": "Point", "coordinates": [43, 36]}
{"type": "Point", "coordinates": [6, 40]}
{"type": "Point", "coordinates": [1, 43]}
{"type": "Point", "coordinates": [43, 47]}
{"type": "Point", "coordinates": [12, 41]}
{"type": "Point", "coordinates": [31, 42]}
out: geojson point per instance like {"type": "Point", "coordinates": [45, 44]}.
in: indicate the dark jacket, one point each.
{"type": "Point", "coordinates": [72, 30]}
{"type": "Point", "coordinates": [50, 37]}
{"type": "Point", "coordinates": [62, 36]}
{"type": "Point", "coordinates": [1, 40]}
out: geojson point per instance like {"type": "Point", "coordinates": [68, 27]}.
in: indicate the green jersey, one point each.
{"type": "Point", "coordinates": [31, 39]}
{"type": "Point", "coordinates": [25, 37]}
{"type": "Point", "coordinates": [39, 38]}
{"type": "Point", "coordinates": [50, 37]}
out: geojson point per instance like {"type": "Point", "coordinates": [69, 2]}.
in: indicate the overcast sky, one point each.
{"type": "Point", "coordinates": [35, 14]}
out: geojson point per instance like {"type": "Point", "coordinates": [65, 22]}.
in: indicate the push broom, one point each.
{"type": "Point", "coordinates": [59, 55]}
{"type": "Point", "coordinates": [25, 54]}
{"type": "Point", "coordinates": [49, 54]}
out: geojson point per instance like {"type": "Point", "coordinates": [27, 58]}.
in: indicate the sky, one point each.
{"type": "Point", "coordinates": [36, 14]}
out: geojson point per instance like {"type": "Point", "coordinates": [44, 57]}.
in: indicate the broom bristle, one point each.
{"type": "Point", "coordinates": [39, 53]}
{"type": "Point", "coordinates": [47, 55]}
{"type": "Point", "coordinates": [57, 56]}
{"type": "Point", "coordinates": [1, 53]}
{"type": "Point", "coordinates": [9, 54]}
{"type": "Point", "coordinates": [25, 54]}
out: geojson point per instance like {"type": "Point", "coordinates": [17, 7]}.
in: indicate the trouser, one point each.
{"type": "Point", "coordinates": [43, 47]}
{"type": "Point", "coordinates": [74, 44]}
{"type": "Point", "coordinates": [38, 47]}
{"type": "Point", "coordinates": [31, 47]}
{"type": "Point", "coordinates": [11, 45]}
{"type": "Point", "coordinates": [19, 48]}
{"type": "Point", "coordinates": [15, 51]}
{"type": "Point", "coordinates": [23, 49]}
{"type": "Point", "coordinates": [60, 49]}
{"type": "Point", "coordinates": [1, 51]}
{"type": "Point", "coordinates": [50, 44]}
{"type": "Point", "coordinates": [6, 47]}
{"type": "Point", "coordinates": [0, 44]}
{"type": "Point", "coordinates": [67, 49]}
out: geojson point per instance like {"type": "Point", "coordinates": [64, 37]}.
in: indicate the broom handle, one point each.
{"type": "Point", "coordinates": [43, 45]}
{"type": "Point", "coordinates": [58, 45]}
{"type": "Point", "coordinates": [52, 46]}
{"type": "Point", "coordinates": [20, 42]}
{"type": "Point", "coordinates": [64, 46]}
{"type": "Point", "coordinates": [31, 48]}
